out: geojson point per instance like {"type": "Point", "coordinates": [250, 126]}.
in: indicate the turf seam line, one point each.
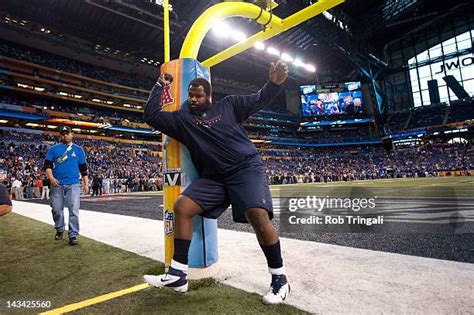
{"type": "Point", "coordinates": [96, 300]}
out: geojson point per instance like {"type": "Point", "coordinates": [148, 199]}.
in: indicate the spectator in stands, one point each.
{"type": "Point", "coordinates": [29, 187]}
{"type": "Point", "coordinates": [38, 187]}
{"type": "Point", "coordinates": [5, 202]}
{"type": "Point", "coordinates": [17, 189]}
{"type": "Point", "coordinates": [46, 186]}
{"type": "Point", "coordinates": [96, 185]}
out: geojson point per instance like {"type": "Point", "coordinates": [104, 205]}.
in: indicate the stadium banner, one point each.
{"type": "Point", "coordinates": [179, 171]}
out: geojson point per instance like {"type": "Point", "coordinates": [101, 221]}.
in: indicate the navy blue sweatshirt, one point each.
{"type": "Point", "coordinates": [216, 140]}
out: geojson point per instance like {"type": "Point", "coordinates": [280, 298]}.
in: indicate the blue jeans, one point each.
{"type": "Point", "coordinates": [69, 196]}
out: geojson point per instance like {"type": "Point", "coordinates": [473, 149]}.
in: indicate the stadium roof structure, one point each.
{"type": "Point", "coordinates": [135, 27]}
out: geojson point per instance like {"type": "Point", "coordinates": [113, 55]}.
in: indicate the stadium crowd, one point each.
{"type": "Point", "coordinates": [369, 162]}
{"type": "Point", "coordinates": [120, 167]}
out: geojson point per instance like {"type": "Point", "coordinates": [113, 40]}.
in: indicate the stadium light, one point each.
{"type": "Point", "coordinates": [238, 36]}
{"type": "Point", "coordinates": [286, 57]}
{"type": "Point", "coordinates": [260, 45]}
{"type": "Point", "coordinates": [310, 68]}
{"type": "Point", "coordinates": [298, 63]}
{"type": "Point", "coordinates": [3, 121]}
{"type": "Point", "coordinates": [221, 29]}
{"type": "Point", "coordinates": [273, 51]}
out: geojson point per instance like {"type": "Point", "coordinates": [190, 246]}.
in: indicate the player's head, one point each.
{"type": "Point", "coordinates": [199, 95]}
{"type": "Point", "coordinates": [66, 134]}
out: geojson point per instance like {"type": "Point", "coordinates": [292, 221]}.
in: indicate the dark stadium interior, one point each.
{"type": "Point", "coordinates": [90, 64]}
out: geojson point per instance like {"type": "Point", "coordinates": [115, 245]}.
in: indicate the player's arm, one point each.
{"type": "Point", "coordinates": [165, 122]}
{"type": "Point", "coordinates": [246, 105]}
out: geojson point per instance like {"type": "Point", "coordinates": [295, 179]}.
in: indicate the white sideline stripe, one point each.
{"type": "Point", "coordinates": [325, 278]}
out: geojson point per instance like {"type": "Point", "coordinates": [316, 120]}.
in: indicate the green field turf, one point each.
{"type": "Point", "coordinates": [35, 267]}
{"type": "Point", "coordinates": [405, 188]}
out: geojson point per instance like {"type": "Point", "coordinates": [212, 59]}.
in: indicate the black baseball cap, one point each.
{"type": "Point", "coordinates": [65, 130]}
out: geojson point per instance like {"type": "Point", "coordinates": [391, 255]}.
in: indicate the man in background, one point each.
{"type": "Point", "coordinates": [38, 186]}
{"type": "Point", "coordinates": [45, 190]}
{"type": "Point", "coordinates": [64, 164]}
{"type": "Point", "coordinates": [17, 189]}
{"type": "Point", "coordinates": [5, 202]}
{"type": "Point", "coordinates": [97, 185]}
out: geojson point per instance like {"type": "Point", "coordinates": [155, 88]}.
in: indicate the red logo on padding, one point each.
{"type": "Point", "coordinates": [166, 97]}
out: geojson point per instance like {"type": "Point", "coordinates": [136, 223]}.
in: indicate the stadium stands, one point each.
{"type": "Point", "coordinates": [425, 116]}
{"type": "Point", "coordinates": [65, 109]}
{"type": "Point", "coordinates": [136, 167]}
{"type": "Point", "coordinates": [68, 65]}
{"type": "Point", "coordinates": [293, 153]}
{"type": "Point", "coordinates": [362, 163]}
{"type": "Point", "coordinates": [461, 110]}
{"type": "Point", "coordinates": [124, 167]}
{"type": "Point", "coordinates": [436, 115]}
